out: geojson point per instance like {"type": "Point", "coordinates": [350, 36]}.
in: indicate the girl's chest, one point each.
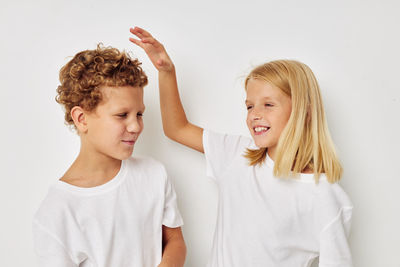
{"type": "Point", "coordinates": [252, 196]}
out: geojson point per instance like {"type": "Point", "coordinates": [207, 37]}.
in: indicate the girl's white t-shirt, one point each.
{"type": "Point", "coordinates": [117, 224]}
{"type": "Point", "coordinates": [276, 222]}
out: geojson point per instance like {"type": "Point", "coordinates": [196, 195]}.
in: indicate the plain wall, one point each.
{"type": "Point", "coordinates": [352, 47]}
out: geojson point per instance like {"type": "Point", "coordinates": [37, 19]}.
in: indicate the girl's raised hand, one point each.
{"type": "Point", "coordinates": [154, 49]}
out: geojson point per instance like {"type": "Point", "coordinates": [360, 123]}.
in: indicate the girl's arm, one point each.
{"type": "Point", "coordinates": [174, 249]}
{"type": "Point", "coordinates": [175, 124]}
{"type": "Point", "coordinates": [333, 239]}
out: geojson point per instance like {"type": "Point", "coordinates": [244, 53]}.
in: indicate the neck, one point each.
{"type": "Point", "coordinates": [271, 153]}
{"type": "Point", "coordinates": [94, 161]}
{"type": "Point", "coordinates": [91, 168]}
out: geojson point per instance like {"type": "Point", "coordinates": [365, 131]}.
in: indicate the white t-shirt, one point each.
{"type": "Point", "coordinates": [268, 221]}
{"type": "Point", "coordinates": [116, 224]}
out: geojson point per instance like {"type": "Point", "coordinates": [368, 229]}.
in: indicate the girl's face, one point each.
{"type": "Point", "coordinates": [268, 111]}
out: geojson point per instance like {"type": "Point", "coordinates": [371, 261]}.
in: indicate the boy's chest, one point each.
{"type": "Point", "coordinates": [120, 216]}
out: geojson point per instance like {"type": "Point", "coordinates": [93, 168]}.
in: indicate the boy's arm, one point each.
{"type": "Point", "coordinates": [50, 252]}
{"type": "Point", "coordinates": [174, 249]}
{"type": "Point", "coordinates": [175, 124]}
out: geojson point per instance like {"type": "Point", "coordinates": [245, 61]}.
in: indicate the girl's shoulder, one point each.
{"type": "Point", "coordinates": [332, 193]}
{"type": "Point", "coordinates": [331, 201]}
{"type": "Point", "coordinates": [227, 141]}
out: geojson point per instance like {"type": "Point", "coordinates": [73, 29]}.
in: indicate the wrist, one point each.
{"type": "Point", "coordinates": [162, 264]}
{"type": "Point", "coordinates": [169, 262]}
{"type": "Point", "coordinates": [168, 70]}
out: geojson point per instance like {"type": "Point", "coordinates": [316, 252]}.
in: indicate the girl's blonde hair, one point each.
{"type": "Point", "coordinates": [305, 143]}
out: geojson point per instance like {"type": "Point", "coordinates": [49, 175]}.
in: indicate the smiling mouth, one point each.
{"type": "Point", "coordinates": [260, 129]}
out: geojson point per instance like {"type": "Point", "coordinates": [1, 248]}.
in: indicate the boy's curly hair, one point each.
{"type": "Point", "coordinates": [82, 77]}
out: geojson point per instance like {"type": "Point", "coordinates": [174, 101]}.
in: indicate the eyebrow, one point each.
{"type": "Point", "coordinates": [124, 109]}
{"type": "Point", "coordinates": [264, 98]}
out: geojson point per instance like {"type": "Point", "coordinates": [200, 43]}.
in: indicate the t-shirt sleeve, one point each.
{"type": "Point", "coordinates": [334, 246]}
{"type": "Point", "coordinates": [49, 250]}
{"type": "Point", "coordinates": [171, 216]}
{"type": "Point", "coordinates": [221, 149]}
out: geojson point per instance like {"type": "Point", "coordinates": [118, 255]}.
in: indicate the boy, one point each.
{"type": "Point", "coordinates": [108, 209]}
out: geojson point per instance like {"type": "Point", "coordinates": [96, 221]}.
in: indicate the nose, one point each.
{"type": "Point", "coordinates": [255, 114]}
{"type": "Point", "coordinates": [134, 126]}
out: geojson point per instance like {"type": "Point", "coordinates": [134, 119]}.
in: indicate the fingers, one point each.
{"type": "Point", "coordinates": [143, 32]}
{"type": "Point", "coordinates": [136, 32]}
{"type": "Point", "coordinates": [139, 32]}
{"type": "Point", "coordinates": [149, 40]}
{"type": "Point", "coordinates": [144, 36]}
{"type": "Point", "coordinates": [144, 41]}
{"type": "Point", "coordinates": [137, 42]}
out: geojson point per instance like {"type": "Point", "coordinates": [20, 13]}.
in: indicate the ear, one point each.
{"type": "Point", "coordinates": [79, 117]}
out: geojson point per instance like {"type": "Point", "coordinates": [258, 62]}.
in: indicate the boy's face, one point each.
{"type": "Point", "coordinates": [115, 125]}
{"type": "Point", "coordinates": [269, 111]}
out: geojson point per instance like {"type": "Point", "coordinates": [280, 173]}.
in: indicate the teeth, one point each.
{"type": "Point", "coordinates": [259, 129]}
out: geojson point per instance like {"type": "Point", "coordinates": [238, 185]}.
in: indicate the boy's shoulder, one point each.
{"type": "Point", "coordinates": [147, 166]}
{"type": "Point", "coordinates": [63, 200]}
{"type": "Point", "coordinates": [53, 207]}
{"type": "Point", "coordinates": [62, 197]}
{"type": "Point", "coordinates": [144, 162]}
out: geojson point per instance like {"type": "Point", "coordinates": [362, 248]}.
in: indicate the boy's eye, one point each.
{"type": "Point", "coordinates": [139, 114]}
{"type": "Point", "coordinates": [269, 105]}
{"type": "Point", "coordinates": [122, 115]}
{"type": "Point", "coordinates": [249, 107]}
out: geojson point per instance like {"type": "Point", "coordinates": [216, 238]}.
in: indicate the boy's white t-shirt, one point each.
{"type": "Point", "coordinates": [268, 221]}
{"type": "Point", "coordinates": [116, 224]}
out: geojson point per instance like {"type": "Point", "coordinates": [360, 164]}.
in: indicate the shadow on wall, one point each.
{"type": "Point", "coordinates": [315, 263]}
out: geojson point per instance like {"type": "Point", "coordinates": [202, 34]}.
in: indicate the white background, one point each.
{"type": "Point", "coordinates": [352, 46]}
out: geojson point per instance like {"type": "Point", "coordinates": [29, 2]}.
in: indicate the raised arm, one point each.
{"type": "Point", "coordinates": [175, 124]}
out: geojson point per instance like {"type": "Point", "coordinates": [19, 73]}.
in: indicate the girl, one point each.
{"type": "Point", "coordinates": [279, 202]}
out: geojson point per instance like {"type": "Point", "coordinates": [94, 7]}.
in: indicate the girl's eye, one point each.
{"type": "Point", "coordinates": [139, 114]}
{"type": "Point", "coordinates": [269, 105]}
{"type": "Point", "coordinates": [249, 107]}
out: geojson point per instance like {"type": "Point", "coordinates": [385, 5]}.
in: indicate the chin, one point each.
{"type": "Point", "coordinates": [123, 156]}
{"type": "Point", "coordinates": [126, 156]}
{"type": "Point", "coordinates": [260, 143]}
